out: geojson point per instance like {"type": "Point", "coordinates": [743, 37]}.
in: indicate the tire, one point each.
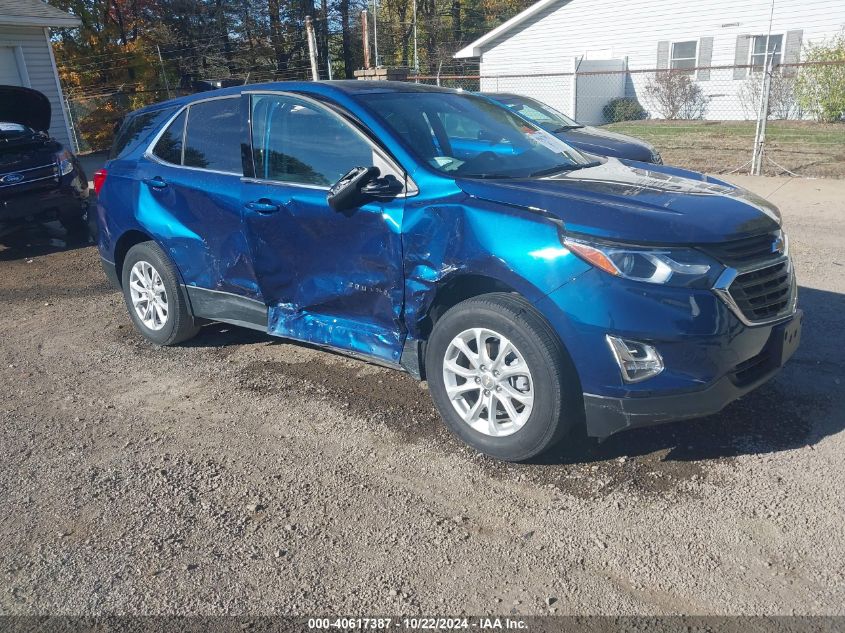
{"type": "Point", "coordinates": [550, 402]}
{"type": "Point", "coordinates": [73, 222]}
{"type": "Point", "coordinates": [91, 221]}
{"type": "Point", "coordinates": [177, 324]}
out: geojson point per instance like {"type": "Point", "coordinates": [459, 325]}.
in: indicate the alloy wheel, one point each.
{"type": "Point", "coordinates": [149, 297]}
{"type": "Point", "coordinates": [488, 382]}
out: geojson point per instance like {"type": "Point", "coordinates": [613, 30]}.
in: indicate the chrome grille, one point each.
{"type": "Point", "coordinates": [765, 293]}
{"type": "Point", "coordinates": [31, 175]}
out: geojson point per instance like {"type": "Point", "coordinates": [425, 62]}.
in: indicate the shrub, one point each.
{"type": "Point", "coordinates": [782, 101]}
{"type": "Point", "coordinates": [676, 96]}
{"type": "Point", "coordinates": [624, 109]}
{"type": "Point", "coordinates": [820, 90]}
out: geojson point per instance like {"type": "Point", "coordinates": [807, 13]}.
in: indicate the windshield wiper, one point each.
{"type": "Point", "coordinates": [566, 128]}
{"type": "Point", "coordinates": [486, 176]}
{"type": "Point", "coordinates": [559, 168]}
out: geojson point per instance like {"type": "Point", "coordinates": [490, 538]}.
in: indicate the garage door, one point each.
{"type": "Point", "coordinates": [9, 75]}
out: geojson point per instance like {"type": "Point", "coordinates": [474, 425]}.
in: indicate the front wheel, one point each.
{"type": "Point", "coordinates": [501, 379]}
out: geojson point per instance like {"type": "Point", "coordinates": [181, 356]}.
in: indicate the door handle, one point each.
{"type": "Point", "coordinates": [262, 206]}
{"type": "Point", "coordinates": [156, 183]}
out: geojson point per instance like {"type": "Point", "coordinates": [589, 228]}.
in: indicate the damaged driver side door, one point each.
{"type": "Point", "coordinates": [332, 278]}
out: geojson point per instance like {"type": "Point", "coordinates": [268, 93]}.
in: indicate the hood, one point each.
{"type": "Point", "coordinates": [606, 143]}
{"type": "Point", "coordinates": [25, 106]}
{"type": "Point", "coordinates": [659, 205]}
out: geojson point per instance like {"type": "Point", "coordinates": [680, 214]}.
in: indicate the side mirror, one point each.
{"type": "Point", "coordinates": [346, 193]}
{"type": "Point", "coordinates": [360, 185]}
{"type": "Point", "coordinates": [381, 187]}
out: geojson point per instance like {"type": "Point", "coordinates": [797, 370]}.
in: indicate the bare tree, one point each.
{"type": "Point", "coordinates": [676, 96]}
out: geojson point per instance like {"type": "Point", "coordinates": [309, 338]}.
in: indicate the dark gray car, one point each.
{"type": "Point", "coordinates": [39, 178]}
{"type": "Point", "coordinates": [583, 137]}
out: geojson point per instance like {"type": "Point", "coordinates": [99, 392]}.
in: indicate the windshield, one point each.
{"type": "Point", "coordinates": [543, 115]}
{"type": "Point", "coordinates": [9, 131]}
{"type": "Point", "coordinates": [464, 135]}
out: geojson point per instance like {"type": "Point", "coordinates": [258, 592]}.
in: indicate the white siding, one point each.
{"type": "Point", "coordinates": [554, 90]}
{"type": "Point", "coordinates": [39, 69]}
{"type": "Point", "coordinates": [594, 91]}
{"type": "Point", "coordinates": [549, 41]}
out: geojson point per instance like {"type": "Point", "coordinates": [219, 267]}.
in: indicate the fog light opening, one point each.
{"type": "Point", "coordinates": [637, 361]}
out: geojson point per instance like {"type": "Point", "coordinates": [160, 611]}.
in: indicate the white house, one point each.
{"type": "Point", "coordinates": [26, 55]}
{"type": "Point", "coordinates": [722, 42]}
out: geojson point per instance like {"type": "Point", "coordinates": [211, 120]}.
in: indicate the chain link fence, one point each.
{"type": "Point", "coordinates": [94, 118]}
{"type": "Point", "coordinates": [704, 118]}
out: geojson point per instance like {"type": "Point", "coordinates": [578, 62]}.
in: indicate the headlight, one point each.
{"type": "Point", "coordinates": [671, 266]}
{"type": "Point", "coordinates": [65, 163]}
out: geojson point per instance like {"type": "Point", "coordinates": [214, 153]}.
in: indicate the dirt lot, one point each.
{"type": "Point", "coordinates": [803, 147]}
{"type": "Point", "coordinates": [241, 474]}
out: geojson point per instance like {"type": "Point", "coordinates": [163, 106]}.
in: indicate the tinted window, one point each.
{"type": "Point", "coordinates": [295, 141]}
{"type": "Point", "coordinates": [136, 128]}
{"type": "Point", "coordinates": [213, 136]}
{"type": "Point", "coordinates": [169, 145]}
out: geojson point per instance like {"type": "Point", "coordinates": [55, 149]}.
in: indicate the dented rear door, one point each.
{"type": "Point", "coordinates": [329, 278]}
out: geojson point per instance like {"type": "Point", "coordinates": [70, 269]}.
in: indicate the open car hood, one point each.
{"type": "Point", "coordinates": [25, 106]}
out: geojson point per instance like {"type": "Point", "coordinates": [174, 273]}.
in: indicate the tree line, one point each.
{"type": "Point", "coordinates": [156, 44]}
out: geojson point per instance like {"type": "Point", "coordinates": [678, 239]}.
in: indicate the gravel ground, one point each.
{"type": "Point", "coordinates": [245, 475]}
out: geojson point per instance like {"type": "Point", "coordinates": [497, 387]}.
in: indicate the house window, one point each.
{"type": "Point", "coordinates": [758, 51]}
{"type": "Point", "coordinates": [684, 56]}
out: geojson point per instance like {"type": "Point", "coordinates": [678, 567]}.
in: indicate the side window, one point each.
{"type": "Point", "coordinates": [295, 141]}
{"type": "Point", "coordinates": [135, 129]}
{"type": "Point", "coordinates": [169, 145]}
{"type": "Point", "coordinates": [213, 136]}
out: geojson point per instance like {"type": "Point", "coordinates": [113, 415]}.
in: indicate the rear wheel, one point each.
{"type": "Point", "coordinates": [155, 301]}
{"type": "Point", "coordinates": [501, 378]}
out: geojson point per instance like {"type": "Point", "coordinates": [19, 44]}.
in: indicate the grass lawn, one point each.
{"type": "Point", "coordinates": [803, 147]}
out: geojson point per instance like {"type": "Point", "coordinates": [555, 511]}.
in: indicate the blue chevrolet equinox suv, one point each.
{"type": "Point", "coordinates": [536, 289]}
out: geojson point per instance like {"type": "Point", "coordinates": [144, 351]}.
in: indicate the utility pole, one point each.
{"type": "Point", "coordinates": [163, 74]}
{"type": "Point", "coordinates": [312, 47]}
{"type": "Point", "coordinates": [763, 114]}
{"type": "Point", "coordinates": [375, 30]}
{"type": "Point", "coordinates": [416, 51]}
{"type": "Point", "coordinates": [366, 37]}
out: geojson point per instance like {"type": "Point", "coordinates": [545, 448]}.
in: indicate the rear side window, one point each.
{"type": "Point", "coordinates": [135, 129]}
{"type": "Point", "coordinates": [169, 145]}
{"type": "Point", "coordinates": [213, 136]}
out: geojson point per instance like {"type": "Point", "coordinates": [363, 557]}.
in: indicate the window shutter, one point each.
{"type": "Point", "coordinates": [663, 55]}
{"type": "Point", "coordinates": [705, 58]}
{"type": "Point", "coordinates": [792, 51]}
{"type": "Point", "coordinates": [741, 56]}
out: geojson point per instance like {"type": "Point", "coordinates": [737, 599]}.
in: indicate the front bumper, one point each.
{"type": "Point", "coordinates": [710, 357]}
{"type": "Point", "coordinates": [68, 200]}
{"type": "Point", "coordinates": [608, 415]}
